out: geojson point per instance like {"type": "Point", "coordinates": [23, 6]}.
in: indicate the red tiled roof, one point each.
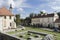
{"type": "Point", "coordinates": [44, 15]}
{"type": "Point", "coordinates": [5, 12]}
{"type": "Point", "coordinates": [57, 21]}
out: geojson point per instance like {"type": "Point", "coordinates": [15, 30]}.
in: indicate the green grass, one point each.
{"type": "Point", "coordinates": [25, 35]}
{"type": "Point", "coordinates": [56, 34]}
{"type": "Point", "coordinates": [12, 32]}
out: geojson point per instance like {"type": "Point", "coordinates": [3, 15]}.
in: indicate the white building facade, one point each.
{"type": "Point", "coordinates": [57, 23]}
{"type": "Point", "coordinates": [45, 19]}
{"type": "Point", "coordinates": [6, 19]}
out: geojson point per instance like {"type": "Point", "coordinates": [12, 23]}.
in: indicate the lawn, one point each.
{"type": "Point", "coordinates": [27, 35]}
{"type": "Point", "coordinates": [12, 32]}
{"type": "Point", "coordinates": [56, 34]}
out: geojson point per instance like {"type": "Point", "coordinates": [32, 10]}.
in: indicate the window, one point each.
{"type": "Point", "coordinates": [10, 17]}
{"type": "Point", "coordinates": [5, 17]}
{"type": "Point", "coordinates": [10, 24]}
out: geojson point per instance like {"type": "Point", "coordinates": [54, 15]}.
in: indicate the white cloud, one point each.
{"type": "Point", "coordinates": [18, 3]}
{"type": "Point", "coordinates": [44, 11]}
{"type": "Point", "coordinates": [21, 10]}
{"type": "Point", "coordinates": [15, 3]}
{"type": "Point", "coordinates": [11, 2]}
{"type": "Point", "coordinates": [1, 2]}
{"type": "Point", "coordinates": [55, 5]}
{"type": "Point", "coordinates": [52, 4]}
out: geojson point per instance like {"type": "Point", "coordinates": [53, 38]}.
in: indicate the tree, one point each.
{"type": "Point", "coordinates": [22, 21]}
{"type": "Point", "coordinates": [58, 14]}
{"type": "Point", "coordinates": [27, 20]}
{"type": "Point", "coordinates": [17, 20]}
{"type": "Point", "coordinates": [42, 12]}
{"type": "Point", "coordinates": [31, 15]}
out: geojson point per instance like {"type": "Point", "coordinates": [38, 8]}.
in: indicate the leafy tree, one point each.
{"type": "Point", "coordinates": [17, 20]}
{"type": "Point", "coordinates": [22, 21]}
{"type": "Point", "coordinates": [41, 12]}
{"type": "Point", "coordinates": [58, 14]}
{"type": "Point", "coordinates": [27, 20]}
{"type": "Point", "coordinates": [31, 15]}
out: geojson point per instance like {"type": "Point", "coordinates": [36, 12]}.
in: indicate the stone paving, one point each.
{"type": "Point", "coordinates": [47, 29]}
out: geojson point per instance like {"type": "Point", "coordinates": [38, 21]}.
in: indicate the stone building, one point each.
{"type": "Point", "coordinates": [46, 19]}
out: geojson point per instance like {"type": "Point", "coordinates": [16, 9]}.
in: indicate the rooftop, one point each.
{"type": "Point", "coordinates": [5, 12]}
{"type": "Point", "coordinates": [43, 15]}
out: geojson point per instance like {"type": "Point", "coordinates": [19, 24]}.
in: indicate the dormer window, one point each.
{"type": "Point", "coordinates": [4, 17]}
{"type": "Point", "coordinates": [10, 17]}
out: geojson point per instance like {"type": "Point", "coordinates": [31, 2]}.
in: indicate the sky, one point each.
{"type": "Point", "coordinates": [25, 7]}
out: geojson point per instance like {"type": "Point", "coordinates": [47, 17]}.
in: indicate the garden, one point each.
{"type": "Point", "coordinates": [28, 35]}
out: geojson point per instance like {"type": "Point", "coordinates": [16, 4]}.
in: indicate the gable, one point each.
{"type": "Point", "coordinates": [5, 12]}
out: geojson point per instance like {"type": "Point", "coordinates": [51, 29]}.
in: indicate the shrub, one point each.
{"type": "Point", "coordinates": [29, 34]}
{"type": "Point", "coordinates": [28, 38]}
{"type": "Point", "coordinates": [22, 29]}
{"type": "Point", "coordinates": [15, 30]}
{"type": "Point", "coordinates": [36, 36]}
{"type": "Point", "coordinates": [20, 36]}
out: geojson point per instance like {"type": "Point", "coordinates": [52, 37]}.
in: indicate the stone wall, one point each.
{"type": "Point", "coordinates": [4, 36]}
{"type": "Point", "coordinates": [40, 33]}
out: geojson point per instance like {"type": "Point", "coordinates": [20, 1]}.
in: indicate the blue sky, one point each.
{"type": "Point", "coordinates": [25, 7]}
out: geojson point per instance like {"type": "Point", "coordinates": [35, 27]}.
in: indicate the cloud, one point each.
{"type": "Point", "coordinates": [44, 11]}
{"type": "Point", "coordinates": [15, 3]}
{"type": "Point", "coordinates": [50, 5]}
{"type": "Point", "coordinates": [1, 2]}
{"type": "Point", "coordinates": [11, 2]}
{"type": "Point", "coordinates": [21, 10]}
{"type": "Point", "coordinates": [55, 5]}
{"type": "Point", "coordinates": [18, 3]}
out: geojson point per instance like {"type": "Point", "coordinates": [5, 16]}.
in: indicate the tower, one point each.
{"type": "Point", "coordinates": [10, 8]}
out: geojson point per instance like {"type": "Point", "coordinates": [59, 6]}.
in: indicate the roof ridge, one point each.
{"type": "Point", "coordinates": [5, 11]}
